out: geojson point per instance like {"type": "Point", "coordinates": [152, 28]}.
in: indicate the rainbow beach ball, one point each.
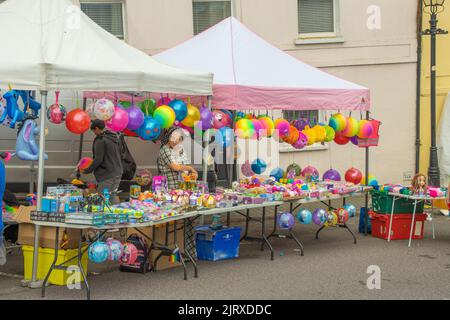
{"type": "Point", "coordinates": [165, 116]}
{"type": "Point", "coordinates": [330, 134]}
{"type": "Point", "coordinates": [352, 128]}
{"type": "Point", "coordinates": [268, 125]}
{"type": "Point", "coordinates": [244, 129]}
{"type": "Point", "coordinates": [365, 129]}
{"type": "Point", "coordinates": [338, 122]}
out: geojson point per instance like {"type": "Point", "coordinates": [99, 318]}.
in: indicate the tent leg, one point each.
{"type": "Point", "coordinates": [366, 216]}
{"type": "Point", "coordinates": [40, 188]}
{"type": "Point", "coordinates": [205, 157]}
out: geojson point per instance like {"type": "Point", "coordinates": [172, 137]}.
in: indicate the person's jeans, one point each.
{"type": "Point", "coordinates": [112, 185]}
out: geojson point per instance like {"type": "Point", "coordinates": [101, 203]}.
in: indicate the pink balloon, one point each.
{"type": "Point", "coordinates": [163, 101]}
{"type": "Point", "coordinates": [119, 120]}
{"type": "Point", "coordinates": [258, 127]}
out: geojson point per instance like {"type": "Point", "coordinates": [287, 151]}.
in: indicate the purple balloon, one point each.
{"type": "Point", "coordinates": [301, 142]}
{"type": "Point", "coordinates": [319, 216]}
{"type": "Point", "coordinates": [354, 140]}
{"type": "Point", "coordinates": [206, 118]}
{"type": "Point", "coordinates": [300, 124]}
{"type": "Point", "coordinates": [135, 118]}
{"type": "Point", "coordinates": [332, 175]}
{"type": "Point", "coordinates": [286, 220]}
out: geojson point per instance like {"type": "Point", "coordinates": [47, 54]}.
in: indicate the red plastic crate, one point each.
{"type": "Point", "coordinates": [401, 226]}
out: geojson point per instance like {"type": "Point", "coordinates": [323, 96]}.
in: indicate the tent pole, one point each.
{"type": "Point", "coordinates": [205, 157]}
{"type": "Point", "coordinates": [80, 150]}
{"type": "Point", "coordinates": [40, 187]}
{"type": "Point", "coordinates": [366, 216]}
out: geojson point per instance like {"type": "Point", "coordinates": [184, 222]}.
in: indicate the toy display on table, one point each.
{"type": "Point", "coordinates": [423, 190]}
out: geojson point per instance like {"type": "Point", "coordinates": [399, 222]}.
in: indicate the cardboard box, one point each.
{"type": "Point", "coordinates": [160, 236]}
{"type": "Point", "coordinates": [46, 234]}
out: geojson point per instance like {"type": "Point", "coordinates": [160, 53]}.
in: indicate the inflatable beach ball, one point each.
{"type": "Point", "coordinates": [98, 252]}
{"type": "Point", "coordinates": [304, 216]}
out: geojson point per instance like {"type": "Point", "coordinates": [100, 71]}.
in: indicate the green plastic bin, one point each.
{"type": "Point", "coordinates": [382, 203]}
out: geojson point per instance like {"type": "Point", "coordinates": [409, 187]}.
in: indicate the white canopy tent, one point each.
{"type": "Point", "coordinates": [250, 73]}
{"type": "Point", "coordinates": [52, 45]}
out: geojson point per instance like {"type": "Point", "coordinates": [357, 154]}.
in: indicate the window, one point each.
{"type": "Point", "coordinates": [316, 16]}
{"type": "Point", "coordinates": [108, 15]}
{"type": "Point", "coordinates": [209, 13]}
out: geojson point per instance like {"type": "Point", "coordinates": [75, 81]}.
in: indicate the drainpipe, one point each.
{"type": "Point", "coordinates": [418, 82]}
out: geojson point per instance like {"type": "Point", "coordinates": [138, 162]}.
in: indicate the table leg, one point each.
{"type": "Point", "coordinates": [344, 201]}
{"type": "Point", "coordinates": [247, 219]}
{"type": "Point", "coordinates": [318, 231]}
{"type": "Point", "coordinates": [291, 234]}
{"type": "Point", "coordinates": [275, 216]}
{"type": "Point", "coordinates": [263, 231]}
{"type": "Point", "coordinates": [432, 220]}
{"type": "Point", "coordinates": [44, 284]}
{"type": "Point", "coordinates": [412, 223]}
{"type": "Point", "coordinates": [392, 218]}
{"type": "Point", "coordinates": [80, 266]}
{"type": "Point", "coordinates": [348, 229]}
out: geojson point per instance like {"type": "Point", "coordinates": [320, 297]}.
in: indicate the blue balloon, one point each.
{"type": "Point", "coordinates": [225, 136]}
{"type": "Point", "coordinates": [304, 216]}
{"type": "Point", "coordinates": [259, 166]}
{"type": "Point", "coordinates": [98, 252]}
{"type": "Point", "coordinates": [277, 173]}
{"type": "Point", "coordinates": [286, 220]}
{"type": "Point", "coordinates": [180, 109]}
{"type": "Point", "coordinates": [351, 209]}
{"type": "Point", "coordinates": [150, 129]}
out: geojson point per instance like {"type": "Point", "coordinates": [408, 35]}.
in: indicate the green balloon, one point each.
{"type": "Point", "coordinates": [330, 134]}
{"type": "Point", "coordinates": [148, 106]}
{"type": "Point", "coordinates": [125, 104]}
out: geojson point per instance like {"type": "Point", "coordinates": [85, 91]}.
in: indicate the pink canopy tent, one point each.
{"type": "Point", "coordinates": [250, 73]}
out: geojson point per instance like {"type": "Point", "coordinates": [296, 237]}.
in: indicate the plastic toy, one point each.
{"type": "Point", "coordinates": [340, 139]}
{"type": "Point", "coordinates": [193, 115]}
{"type": "Point", "coordinates": [301, 142]}
{"type": "Point", "coordinates": [332, 174]}
{"type": "Point", "coordinates": [365, 129]}
{"type": "Point", "coordinates": [165, 116]}
{"type": "Point", "coordinates": [268, 126]}
{"type": "Point", "coordinates": [329, 134]}
{"type": "Point", "coordinates": [221, 119]}
{"type": "Point", "coordinates": [295, 167]}
{"type": "Point", "coordinates": [286, 220]}
{"type": "Point", "coordinates": [310, 174]}
{"type": "Point", "coordinates": [129, 255]}
{"type": "Point", "coordinates": [372, 181]}
{"type": "Point", "coordinates": [206, 118]}
{"type": "Point", "coordinates": [135, 118]}
{"type": "Point", "coordinates": [351, 128]}
{"type": "Point", "coordinates": [331, 219]}
{"type": "Point", "coordinates": [300, 124]}
{"type": "Point", "coordinates": [354, 140]}
{"type": "Point", "coordinates": [244, 129]}
{"type": "Point", "coordinates": [225, 136]}
{"type": "Point", "coordinates": [26, 146]}
{"type": "Point", "coordinates": [259, 166]}
{"type": "Point", "coordinates": [150, 129]}
{"type": "Point", "coordinates": [98, 252]}
{"type": "Point", "coordinates": [12, 108]}
{"type": "Point", "coordinates": [342, 215]}
{"type": "Point", "coordinates": [119, 120]}
{"type": "Point", "coordinates": [56, 113]}
{"type": "Point", "coordinates": [351, 209]}
{"type": "Point", "coordinates": [283, 127]}
{"type": "Point", "coordinates": [419, 185]}
{"type": "Point", "coordinates": [78, 121]}
{"type": "Point", "coordinates": [304, 216]}
{"type": "Point", "coordinates": [180, 109]}
{"type": "Point", "coordinates": [246, 169]}
{"type": "Point", "coordinates": [277, 173]}
{"type": "Point", "coordinates": [30, 102]}
{"type": "Point", "coordinates": [104, 109]}
{"type": "Point", "coordinates": [148, 106]}
{"type": "Point", "coordinates": [338, 122]}
{"type": "Point", "coordinates": [319, 216]}
{"type": "Point", "coordinates": [258, 125]}
{"type": "Point", "coordinates": [84, 163]}
{"type": "Point", "coordinates": [164, 101]}
{"type": "Point", "coordinates": [115, 249]}
{"type": "Point", "coordinates": [353, 175]}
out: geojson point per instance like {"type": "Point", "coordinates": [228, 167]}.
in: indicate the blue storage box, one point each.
{"type": "Point", "coordinates": [214, 245]}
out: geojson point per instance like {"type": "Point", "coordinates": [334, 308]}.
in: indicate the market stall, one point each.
{"type": "Point", "coordinates": [57, 47]}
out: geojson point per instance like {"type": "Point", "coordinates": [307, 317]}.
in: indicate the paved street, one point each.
{"type": "Point", "coordinates": [332, 268]}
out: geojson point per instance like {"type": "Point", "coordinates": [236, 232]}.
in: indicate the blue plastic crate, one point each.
{"type": "Point", "coordinates": [214, 245]}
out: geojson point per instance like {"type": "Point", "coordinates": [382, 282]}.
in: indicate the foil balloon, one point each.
{"type": "Point", "coordinates": [150, 129]}
{"type": "Point", "coordinates": [78, 121]}
{"type": "Point", "coordinates": [332, 175]}
{"type": "Point", "coordinates": [268, 126]}
{"type": "Point", "coordinates": [365, 129]}
{"type": "Point", "coordinates": [135, 118]}
{"type": "Point", "coordinates": [163, 101]}
{"type": "Point", "coordinates": [104, 109]}
{"type": "Point", "coordinates": [351, 209]}
{"type": "Point", "coordinates": [341, 139]}
{"type": "Point", "coordinates": [259, 166]}
{"type": "Point", "coordinates": [180, 109]}
{"type": "Point", "coordinates": [244, 129]}
{"type": "Point", "coordinates": [351, 128]}
{"type": "Point", "coordinates": [353, 175]}
{"type": "Point", "coordinates": [193, 116]}
{"type": "Point", "coordinates": [56, 113]}
{"type": "Point", "coordinates": [246, 169]}
{"type": "Point", "coordinates": [319, 216]}
{"type": "Point", "coordinates": [304, 216]}
{"type": "Point", "coordinates": [338, 122]}
{"type": "Point", "coordinates": [119, 120]}
{"type": "Point", "coordinates": [206, 118]}
{"type": "Point", "coordinates": [329, 134]}
{"type": "Point", "coordinates": [165, 116]}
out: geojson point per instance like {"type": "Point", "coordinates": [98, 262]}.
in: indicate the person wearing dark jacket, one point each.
{"type": "Point", "coordinates": [107, 164]}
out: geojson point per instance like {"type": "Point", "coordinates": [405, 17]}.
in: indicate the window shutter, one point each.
{"type": "Point", "coordinates": [208, 13]}
{"type": "Point", "coordinates": [315, 16]}
{"type": "Point", "coordinates": [107, 15]}
{"type": "Point", "coordinates": [311, 115]}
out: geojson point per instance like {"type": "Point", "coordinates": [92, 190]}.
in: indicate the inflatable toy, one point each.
{"type": "Point", "coordinates": [286, 220]}
{"type": "Point", "coordinates": [365, 129]}
{"type": "Point", "coordinates": [351, 128]}
{"type": "Point", "coordinates": [119, 120]}
{"type": "Point", "coordinates": [98, 252]}
{"type": "Point", "coordinates": [180, 109]}
{"type": "Point", "coordinates": [259, 166]}
{"type": "Point", "coordinates": [165, 116]}
{"type": "Point", "coordinates": [304, 216]}
{"type": "Point", "coordinates": [26, 147]}
{"type": "Point", "coordinates": [193, 116]}
{"type": "Point", "coordinates": [338, 122]}
{"type": "Point", "coordinates": [353, 175]}
{"type": "Point", "coordinates": [104, 109]}
{"type": "Point", "coordinates": [331, 174]}
{"type": "Point", "coordinates": [150, 129]}
{"type": "Point", "coordinates": [135, 117]}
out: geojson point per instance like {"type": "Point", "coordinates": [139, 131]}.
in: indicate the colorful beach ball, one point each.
{"type": "Point", "coordinates": [244, 129]}
{"type": "Point", "coordinates": [104, 109]}
{"type": "Point", "coordinates": [304, 216]}
{"type": "Point", "coordinates": [286, 220]}
{"type": "Point", "coordinates": [319, 216]}
{"type": "Point", "coordinates": [365, 129]}
{"type": "Point", "coordinates": [268, 125]}
{"type": "Point", "coordinates": [351, 128]}
{"type": "Point", "coordinates": [338, 122]}
{"type": "Point", "coordinates": [115, 249]}
{"type": "Point", "coordinates": [165, 116]}
{"type": "Point", "coordinates": [98, 252]}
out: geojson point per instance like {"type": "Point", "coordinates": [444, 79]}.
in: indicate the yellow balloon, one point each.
{"type": "Point", "coordinates": [193, 116]}
{"type": "Point", "coordinates": [310, 134]}
{"type": "Point", "coordinates": [320, 132]}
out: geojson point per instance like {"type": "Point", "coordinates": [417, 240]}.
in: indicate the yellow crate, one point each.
{"type": "Point", "coordinates": [45, 260]}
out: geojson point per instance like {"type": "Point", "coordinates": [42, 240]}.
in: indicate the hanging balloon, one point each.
{"type": "Point", "coordinates": [338, 122]}
{"type": "Point", "coordinates": [119, 121]}
{"type": "Point", "coordinates": [277, 173]}
{"type": "Point", "coordinates": [294, 167]}
{"type": "Point", "coordinates": [90, 110]}
{"type": "Point", "coordinates": [180, 109]}
{"type": "Point", "coordinates": [330, 134]}
{"type": "Point", "coordinates": [354, 140]}
{"type": "Point", "coordinates": [258, 127]}
{"type": "Point", "coordinates": [268, 126]}
{"type": "Point", "coordinates": [283, 127]}
{"type": "Point", "coordinates": [56, 113]}
{"type": "Point", "coordinates": [193, 115]}
{"type": "Point", "coordinates": [304, 216]}
{"type": "Point", "coordinates": [353, 175]}
{"type": "Point", "coordinates": [319, 216]}
{"type": "Point", "coordinates": [246, 169]}
{"type": "Point", "coordinates": [244, 129]}
{"type": "Point", "coordinates": [165, 116]}
{"type": "Point", "coordinates": [206, 118]}
{"type": "Point", "coordinates": [351, 209]}
{"type": "Point", "coordinates": [286, 220]}
{"type": "Point", "coordinates": [163, 101]}
{"type": "Point", "coordinates": [342, 215]}
{"type": "Point", "coordinates": [351, 128]}
{"type": "Point", "coordinates": [220, 119]}
{"type": "Point", "coordinates": [150, 129]}
{"type": "Point", "coordinates": [259, 166]}
{"type": "Point", "coordinates": [310, 173]}
{"type": "Point", "coordinates": [320, 133]}
{"type": "Point", "coordinates": [341, 139]}
{"type": "Point", "coordinates": [300, 124]}
{"type": "Point", "coordinates": [130, 133]}
{"type": "Point", "coordinates": [332, 175]}
{"type": "Point", "coordinates": [104, 109]}
{"type": "Point", "coordinates": [98, 252]}
{"type": "Point", "coordinates": [365, 129]}
{"type": "Point", "coordinates": [135, 118]}
{"type": "Point", "coordinates": [148, 106]}
{"type": "Point", "coordinates": [78, 121]}
{"type": "Point", "coordinates": [332, 219]}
